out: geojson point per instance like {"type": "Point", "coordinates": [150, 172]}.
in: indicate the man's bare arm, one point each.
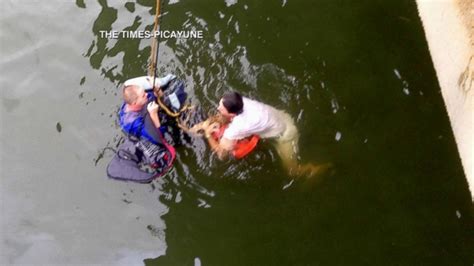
{"type": "Point", "coordinates": [223, 148]}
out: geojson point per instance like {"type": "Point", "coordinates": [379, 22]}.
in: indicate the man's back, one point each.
{"type": "Point", "coordinates": [256, 118]}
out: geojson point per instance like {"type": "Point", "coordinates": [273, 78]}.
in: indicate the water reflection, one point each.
{"type": "Point", "coordinates": [208, 67]}
{"type": "Point", "coordinates": [133, 60]}
{"type": "Point", "coordinates": [339, 85]}
{"type": "Point", "coordinates": [199, 185]}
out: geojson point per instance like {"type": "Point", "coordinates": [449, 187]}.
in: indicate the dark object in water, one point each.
{"type": "Point", "coordinates": [125, 165]}
{"type": "Point", "coordinates": [174, 95]}
{"type": "Point", "coordinates": [174, 98]}
{"type": "Point", "coordinates": [139, 160]}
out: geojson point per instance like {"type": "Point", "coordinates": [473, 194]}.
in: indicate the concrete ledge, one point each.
{"type": "Point", "coordinates": [448, 26]}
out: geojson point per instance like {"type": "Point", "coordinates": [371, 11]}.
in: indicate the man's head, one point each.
{"type": "Point", "coordinates": [135, 96]}
{"type": "Point", "coordinates": [231, 104]}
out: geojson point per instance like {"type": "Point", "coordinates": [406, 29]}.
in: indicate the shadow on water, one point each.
{"type": "Point", "coordinates": [134, 61]}
{"type": "Point", "coordinates": [358, 79]}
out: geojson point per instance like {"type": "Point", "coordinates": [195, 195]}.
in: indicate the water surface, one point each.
{"type": "Point", "coordinates": [356, 76]}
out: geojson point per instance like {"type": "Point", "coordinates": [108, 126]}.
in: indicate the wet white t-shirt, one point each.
{"type": "Point", "coordinates": [256, 118]}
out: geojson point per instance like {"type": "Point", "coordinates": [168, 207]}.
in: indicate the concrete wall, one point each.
{"type": "Point", "coordinates": [448, 26]}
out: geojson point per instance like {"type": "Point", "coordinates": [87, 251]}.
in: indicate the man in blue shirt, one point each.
{"type": "Point", "coordinates": [139, 101]}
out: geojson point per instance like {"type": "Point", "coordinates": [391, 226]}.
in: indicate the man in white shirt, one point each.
{"type": "Point", "coordinates": [249, 117]}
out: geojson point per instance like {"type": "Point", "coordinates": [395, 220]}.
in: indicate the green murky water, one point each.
{"type": "Point", "coordinates": [356, 76]}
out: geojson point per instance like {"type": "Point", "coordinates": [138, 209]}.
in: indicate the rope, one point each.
{"type": "Point", "coordinates": [152, 69]}
{"type": "Point", "coordinates": [154, 45]}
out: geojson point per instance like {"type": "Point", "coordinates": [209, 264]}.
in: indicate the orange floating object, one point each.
{"type": "Point", "coordinates": [243, 147]}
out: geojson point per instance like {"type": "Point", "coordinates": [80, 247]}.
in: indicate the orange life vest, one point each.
{"type": "Point", "coordinates": [242, 147]}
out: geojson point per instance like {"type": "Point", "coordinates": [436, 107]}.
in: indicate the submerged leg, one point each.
{"type": "Point", "coordinates": [287, 147]}
{"type": "Point", "coordinates": [311, 170]}
{"type": "Point", "coordinates": [288, 151]}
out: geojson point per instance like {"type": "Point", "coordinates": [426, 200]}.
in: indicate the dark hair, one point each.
{"type": "Point", "coordinates": [233, 102]}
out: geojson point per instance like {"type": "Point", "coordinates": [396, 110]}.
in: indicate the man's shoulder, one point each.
{"type": "Point", "coordinates": [255, 107]}
{"type": "Point", "coordinates": [128, 117]}
{"type": "Point", "coordinates": [248, 101]}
